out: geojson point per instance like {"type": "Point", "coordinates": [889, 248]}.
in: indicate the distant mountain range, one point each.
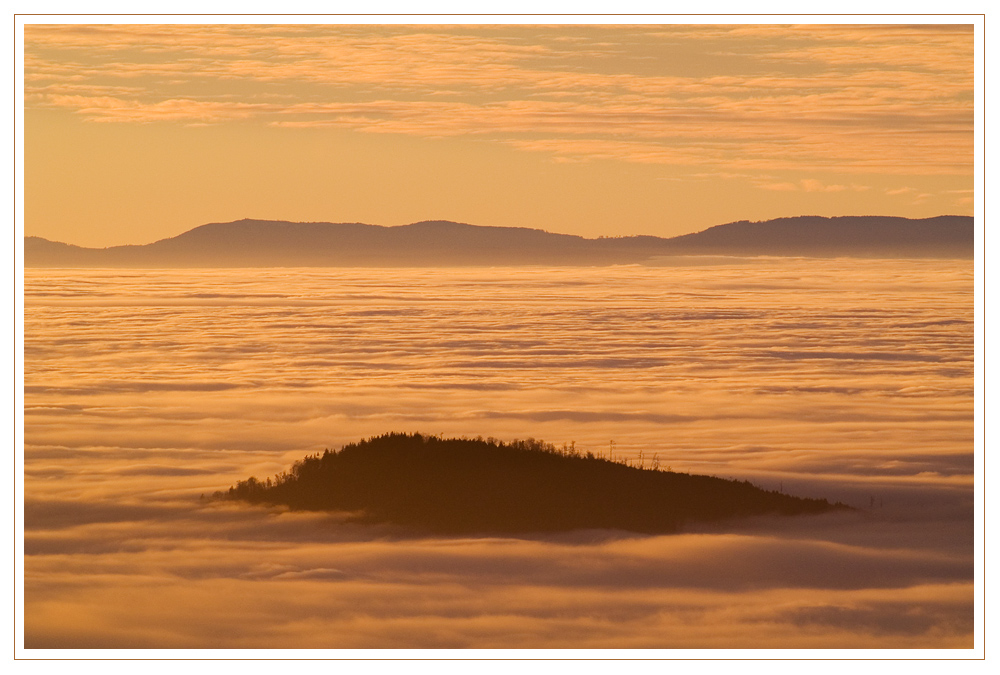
{"type": "Point", "coordinates": [272, 243]}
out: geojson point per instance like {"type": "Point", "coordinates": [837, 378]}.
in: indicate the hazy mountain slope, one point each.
{"type": "Point", "coordinates": [252, 242]}
{"type": "Point", "coordinates": [261, 243]}
{"type": "Point", "coordinates": [882, 236]}
{"type": "Point", "coordinates": [39, 252]}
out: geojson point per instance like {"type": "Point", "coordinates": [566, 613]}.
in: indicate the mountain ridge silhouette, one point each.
{"type": "Point", "coordinates": [271, 243]}
{"type": "Point", "coordinates": [465, 486]}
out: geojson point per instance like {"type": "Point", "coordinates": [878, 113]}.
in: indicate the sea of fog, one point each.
{"type": "Point", "coordinates": [845, 379]}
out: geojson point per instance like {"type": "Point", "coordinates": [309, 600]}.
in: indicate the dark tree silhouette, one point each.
{"type": "Point", "coordinates": [480, 485]}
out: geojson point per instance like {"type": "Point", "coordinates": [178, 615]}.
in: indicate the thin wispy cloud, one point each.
{"type": "Point", "coordinates": [452, 82]}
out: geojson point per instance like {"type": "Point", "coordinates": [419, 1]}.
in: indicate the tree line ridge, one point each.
{"type": "Point", "coordinates": [463, 486]}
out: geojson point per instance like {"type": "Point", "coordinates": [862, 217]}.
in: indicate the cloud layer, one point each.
{"type": "Point", "coordinates": [850, 380]}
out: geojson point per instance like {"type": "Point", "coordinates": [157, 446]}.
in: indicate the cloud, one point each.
{"type": "Point", "coordinates": [949, 54]}
{"type": "Point", "coordinates": [111, 109]}
{"type": "Point", "coordinates": [497, 593]}
{"type": "Point", "coordinates": [144, 391]}
{"type": "Point", "coordinates": [861, 355]}
{"type": "Point", "coordinates": [812, 185]}
{"type": "Point", "coordinates": [779, 187]}
{"type": "Point", "coordinates": [808, 185]}
{"type": "Point", "coordinates": [883, 99]}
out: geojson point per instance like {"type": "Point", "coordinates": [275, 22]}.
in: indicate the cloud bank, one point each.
{"type": "Point", "coordinates": [844, 379]}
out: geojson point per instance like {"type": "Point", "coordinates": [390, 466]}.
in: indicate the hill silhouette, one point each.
{"type": "Point", "coordinates": [267, 243]}
{"type": "Point", "coordinates": [464, 486]}
{"type": "Point", "coordinates": [867, 236]}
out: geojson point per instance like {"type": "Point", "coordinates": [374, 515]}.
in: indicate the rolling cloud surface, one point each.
{"type": "Point", "coordinates": [850, 380]}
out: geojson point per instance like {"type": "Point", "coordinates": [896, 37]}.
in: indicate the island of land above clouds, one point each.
{"type": "Point", "coordinates": [427, 484]}
{"type": "Point", "coordinates": [268, 243]}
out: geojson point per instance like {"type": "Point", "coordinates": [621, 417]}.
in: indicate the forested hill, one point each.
{"type": "Point", "coordinates": [461, 486]}
{"type": "Point", "coordinates": [266, 243]}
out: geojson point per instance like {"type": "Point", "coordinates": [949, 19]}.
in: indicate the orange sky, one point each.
{"type": "Point", "coordinates": [138, 132]}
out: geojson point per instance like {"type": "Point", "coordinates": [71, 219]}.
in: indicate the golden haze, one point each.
{"type": "Point", "coordinates": [145, 131]}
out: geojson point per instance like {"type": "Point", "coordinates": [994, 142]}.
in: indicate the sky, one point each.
{"type": "Point", "coordinates": [135, 133]}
